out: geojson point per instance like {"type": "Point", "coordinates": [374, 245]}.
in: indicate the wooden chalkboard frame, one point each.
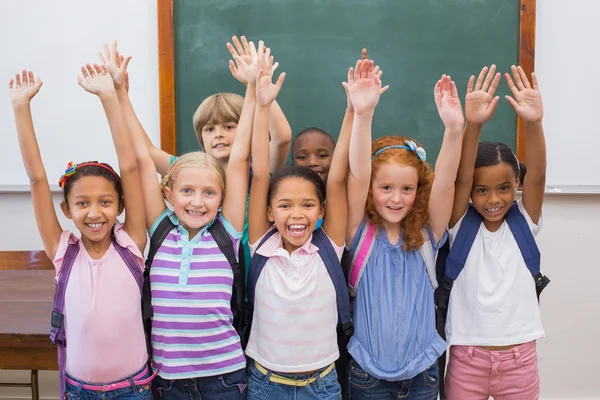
{"type": "Point", "coordinates": [166, 69]}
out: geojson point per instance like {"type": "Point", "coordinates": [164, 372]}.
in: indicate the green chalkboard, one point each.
{"type": "Point", "coordinates": [316, 41]}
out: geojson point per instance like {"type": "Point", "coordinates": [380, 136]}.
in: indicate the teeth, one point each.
{"type": "Point", "coordinates": [95, 226]}
{"type": "Point", "coordinates": [494, 209]}
{"type": "Point", "coordinates": [195, 212]}
{"type": "Point", "coordinates": [220, 145]}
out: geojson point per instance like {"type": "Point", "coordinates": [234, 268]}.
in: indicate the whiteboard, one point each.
{"type": "Point", "coordinates": [566, 60]}
{"type": "Point", "coordinates": [54, 38]}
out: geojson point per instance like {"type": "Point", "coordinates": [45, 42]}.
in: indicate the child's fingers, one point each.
{"type": "Point", "coordinates": [232, 51]}
{"type": "Point", "coordinates": [364, 55]}
{"type": "Point", "coordinates": [113, 49]}
{"type": "Point", "coordinates": [376, 70]}
{"type": "Point", "coordinates": [350, 76]}
{"type": "Point", "coordinates": [11, 83]}
{"type": "Point", "coordinates": [370, 70]}
{"type": "Point", "coordinates": [90, 70]}
{"type": "Point", "coordinates": [454, 90]}
{"type": "Point", "coordinates": [517, 78]}
{"type": "Point", "coordinates": [437, 93]}
{"type": "Point", "coordinates": [268, 55]}
{"type": "Point", "coordinates": [494, 104]}
{"type": "Point", "coordinates": [494, 84]}
{"type": "Point", "coordinates": [17, 80]}
{"type": "Point", "coordinates": [384, 89]}
{"type": "Point", "coordinates": [99, 69]}
{"type": "Point", "coordinates": [470, 84]}
{"type": "Point", "coordinates": [345, 85]}
{"type": "Point", "coordinates": [261, 73]}
{"type": "Point", "coordinates": [125, 63]}
{"type": "Point", "coordinates": [24, 78]}
{"type": "Point", "coordinates": [246, 46]}
{"type": "Point", "coordinates": [84, 72]}
{"type": "Point", "coordinates": [280, 80]}
{"type": "Point", "coordinates": [274, 67]}
{"type": "Point", "coordinates": [511, 85]}
{"type": "Point", "coordinates": [534, 81]}
{"type": "Point", "coordinates": [523, 77]}
{"type": "Point", "coordinates": [512, 102]}
{"type": "Point", "coordinates": [82, 82]}
{"type": "Point", "coordinates": [101, 58]}
{"type": "Point", "coordinates": [253, 51]}
{"type": "Point", "coordinates": [356, 72]}
{"type": "Point", "coordinates": [31, 78]}
{"type": "Point", "coordinates": [232, 67]}
{"type": "Point", "coordinates": [238, 45]}
{"type": "Point", "coordinates": [480, 78]}
{"type": "Point", "coordinates": [239, 61]}
{"type": "Point", "coordinates": [106, 52]}
{"type": "Point", "coordinates": [488, 79]}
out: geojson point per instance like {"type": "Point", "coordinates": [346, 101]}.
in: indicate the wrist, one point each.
{"type": "Point", "coordinates": [21, 103]}
{"type": "Point", "coordinates": [107, 94]}
{"type": "Point", "coordinates": [533, 124]}
{"type": "Point", "coordinates": [367, 114]}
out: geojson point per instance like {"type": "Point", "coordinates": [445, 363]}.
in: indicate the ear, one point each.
{"type": "Point", "coordinates": [168, 194]}
{"type": "Point", "coordinates": [121, 206]}
{"type": "Point", "coordinates": [323, 207]}
{"type": "Point", "coordinates": [65, 209]}
{"type": "Point", "coordinates": [270, 216]}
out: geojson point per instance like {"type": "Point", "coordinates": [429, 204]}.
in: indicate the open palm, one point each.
{"type": "Point", "coordinates": [96, 79]}
{"type": "Point", "coordinates": [364, 88]}
{"type": "Point", "coordinates": [23, 87]}
{"type": "Point", "coordinates": [527, 99]}
{"type": "Point", "coordinates": [448, 103]}
{"type": "Point", "coordinates": [480, 102]}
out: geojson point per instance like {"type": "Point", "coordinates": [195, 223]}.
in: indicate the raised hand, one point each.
{"type": "Point", "coordinates": [24, 87]}
{"type": "Point", "coordinates": [242, 54]}
{"type": "Point", "coordinates": [266, 90]}
{"type": "Point", "coordinates": [96, 79]}
{"type": "Point", "coordinates": [480, 102]}
{"type": "Point", "coordinates": [248, 66]}
{"type": "Point", "coordinates": [376, 71]}
{"type": "Point", "coordinates": [116, 64]}
{"type": "Point", "coordinates": [527, 99]}
{"type": "Point", "coordinates": [448, 104]}
{"type": "Point", "coordinates": [364, 87]}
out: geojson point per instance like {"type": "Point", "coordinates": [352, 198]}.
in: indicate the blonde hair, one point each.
{"type": "Point", "coordinates": [418, 217]}
{"type": "Point", "coordinates": [217, 109]}
{"type": "Point", "coordinates": [196, 159]}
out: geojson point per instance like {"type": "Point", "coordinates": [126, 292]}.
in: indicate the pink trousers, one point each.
{"type": "Point", "coordinates": [475, 374]}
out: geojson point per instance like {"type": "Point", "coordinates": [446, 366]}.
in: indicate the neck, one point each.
{"type": "Point", "coordinates": [392, 231]}
{"type": "Point", "coordinates": [493, 226]}
{"type": "Point", "coordinates": [96, 249]}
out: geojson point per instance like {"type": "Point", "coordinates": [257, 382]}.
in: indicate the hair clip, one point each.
{"type": "Point", "coordinates": [410, 145]}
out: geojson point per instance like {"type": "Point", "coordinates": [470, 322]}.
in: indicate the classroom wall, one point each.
{"type": "Point", "coordinates": [570, 305]}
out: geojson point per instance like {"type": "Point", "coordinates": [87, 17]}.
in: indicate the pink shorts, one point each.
{"type": "Point", "coordinates": [475, 374]}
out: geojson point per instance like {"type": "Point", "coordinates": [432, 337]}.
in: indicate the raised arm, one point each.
{"type": "Point", "coordinates": [446, 166]}
{"type": "Point", "coordinates": [236, 182]}
{"type": "Point", "coordinates": [118, 71]}
{"type": "Point", "coordinates": [480, 105]}
{"type": "Point", "coordinates": [279, 127]}
{"type": "Point", "coordinates": [527, 103]}
{"type": "Point", "coordinates": [364, 88]}
{"type": "Point", "coordinates": [266, 92]}
{"type": "Point", "coordinates": [22, 89]}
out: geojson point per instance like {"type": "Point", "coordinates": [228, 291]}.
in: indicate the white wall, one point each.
{"type": "Point", "coordinates": [570, 305]}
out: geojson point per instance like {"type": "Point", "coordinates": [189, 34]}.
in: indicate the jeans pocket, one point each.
{"type": "Point", "coordinates": [235, 379]}
{"type": "Point", "coordinates": [458, 352]}
{"type": "Point", "coordinates": [258, 383]}
{"type": "Point", "coordinates": [432, 376]}
{"type": "Point", "coordinates": [360, 378]}
{"type": "Point", "coordinates": [328, 385]}
{"type": "Point", "coordinates": [162, 385]}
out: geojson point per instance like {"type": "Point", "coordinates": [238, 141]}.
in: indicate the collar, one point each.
{"type": "Point", "coordinates": [274, 247]}
{"type": "Point", "coordinates": [184, 233]}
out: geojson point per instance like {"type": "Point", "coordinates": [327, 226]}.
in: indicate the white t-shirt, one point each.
{"type": "Point", "coordinates": [493, 301]}
{"type": "Point", "coordinates": [295, 309]}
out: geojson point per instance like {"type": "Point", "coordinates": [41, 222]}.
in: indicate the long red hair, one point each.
{"type": "Point", "coordinates": [417, 218]}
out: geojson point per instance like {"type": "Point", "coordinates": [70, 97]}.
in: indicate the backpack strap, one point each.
{"type": "Point", "coordinates": [529, 249]}
{"type": "Point", "coordinates": [334, 269]}
{"type": "Point", "coordinates": [225, 244]}
{"type": "Point", "coordinates": [428, 255]}
{"type": "Point", "coordinates": [361, 256]}
{"type": "Point", "coordinates": [133, 266]}
{"type": "Point", "coordinates": [57, 320]}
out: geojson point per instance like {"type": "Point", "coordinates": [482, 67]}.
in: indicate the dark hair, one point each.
{"type": "Point", "coordinates": [94, 170]}
{"type": "Point", "coordinates": [309, 130]}
{"type": "Point", "coordinates": [494, 153]}
{"type": "Point", "coordinates": [296, 171]}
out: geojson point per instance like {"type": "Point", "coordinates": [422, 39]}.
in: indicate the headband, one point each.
{"type": "Point", "coordinates": [72, 169]}
{"type": "Point", "coordinates": [410, 145]}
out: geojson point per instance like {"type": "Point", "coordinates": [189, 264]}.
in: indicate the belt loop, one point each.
{"type": "Point", "coordinates": [132, 383]}
{"type": "Point", "coordinates": [470, 352]}
{"type": "Point", "coordinates": [517, 353]}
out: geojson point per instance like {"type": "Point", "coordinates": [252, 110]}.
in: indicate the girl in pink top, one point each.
{"type": "Point", "coordinates": [106, 349]}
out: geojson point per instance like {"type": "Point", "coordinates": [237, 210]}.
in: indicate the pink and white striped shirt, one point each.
{"type": "Point", "coordinates": [295, 310]}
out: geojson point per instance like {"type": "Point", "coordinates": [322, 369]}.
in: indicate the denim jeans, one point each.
{"type": "Point", "coordinates": [228, 386]}
{"type": "Point", "coordinates": [261, 388]}
{"type": "Point", "coordinates": [141, 392]}
{"type": "Point", "coordinates": [364, 386]}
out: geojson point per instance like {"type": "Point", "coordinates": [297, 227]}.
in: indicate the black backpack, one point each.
{"type": "Point", "coordinates": [238, 294]}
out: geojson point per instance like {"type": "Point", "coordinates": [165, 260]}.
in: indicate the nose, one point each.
{"type": "Point", "coordinates": [197, 200]}
{"type": "Point", "coordinates": [312, 161]}
{"type": "Point", "coordinates": [94, 211]}
{"type": "Point", "coordinates": [218, 132]}
{"type": "Point", "coordinates": [493, 197]}
{"type": "Point", "coordinates": [396, 196]}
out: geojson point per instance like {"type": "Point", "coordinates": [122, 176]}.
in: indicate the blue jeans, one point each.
{"type": "Point", "coordinates": [364, 386]}
{"type": "Point", "coordinates": [261, 388]}
{"type": "Point", "coordinates": [133, 392]}
{"type": "Point", "coordinates": [227, 386]}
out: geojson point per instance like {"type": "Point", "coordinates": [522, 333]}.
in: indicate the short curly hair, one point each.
{"type": "Point", "coordinates": [418, 217]}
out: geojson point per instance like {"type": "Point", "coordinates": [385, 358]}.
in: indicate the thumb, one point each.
{"type": "Point", "coordinates": [512, 102]}
{"type": "Point", "coordinates": [280, 80]}
{"type": "Point", "coordinates": [82, 82]}
{"type": "Point", "coordinates": [125, 63]}
{"type": "Point", "coordinates": [494, 104]}
{"type": "Point", "coordinates": [345, 85]}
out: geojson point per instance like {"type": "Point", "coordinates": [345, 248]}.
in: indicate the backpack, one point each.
{"type": "Point", "coordinates": [357, 264]}
{"type": "Point", "coordinates": [451, 262]}
{"type": "Point", "coordinates": [345, 328]}
{"type": "Point", "coordinates": [225, 244]}
{"type": "Point", "coordinates": [58, 334]}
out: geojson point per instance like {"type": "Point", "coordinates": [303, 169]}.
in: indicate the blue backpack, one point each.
{"type": "Point", "coordinates": [451, 262]}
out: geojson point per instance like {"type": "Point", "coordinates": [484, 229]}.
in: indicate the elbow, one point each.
{"type": "Point", "coordinates": [129, 168]}
{"type": "Point", "coordinates": [38, 179]}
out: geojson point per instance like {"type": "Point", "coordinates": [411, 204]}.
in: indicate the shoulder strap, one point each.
{"type": "Point", "coordinates": [428, 255]}
{"type": "Point", "coordinates": [257, 264]}
{"type": "Point", "coordinates": [129, 260]}
{"type": "Point", "coordinates": [361, 256]}
{"type": "Point", "coordinates": [334, 269]}
{"type": "Point", "coordinates": [158, 237]}
{"type": "Point", "coordinates": [57, 334]}
{"type": "Point", "coordinates": [238, 290]}
{"type": "Point", "coordinates": [462, 244]}
{"type": "Point", "coordinates": [529, 250]}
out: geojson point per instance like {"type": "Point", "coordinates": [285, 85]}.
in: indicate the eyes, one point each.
{"type": "Point", "coordinates": [226, 127]}
{"type": "Point", "coordinates": [405, 189]}
{"type": "Point", "coordinates": [502, 189]}
{"type": "Point", "coordinates": [189, 191]}
{"type": "Point", "coordinates": [304, 157]}
{"type": "Point", "coordinates": [103, 203]}
{"type": "Point", "coordinates": [285, 206]}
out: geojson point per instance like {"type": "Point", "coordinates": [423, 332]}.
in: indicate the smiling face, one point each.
{"type": "Point", "coordinates": [295, 209]}
{"type": "Point", "coordinates": [196, 196]}
{"type": "Point", "coordinates": [94, 205]}
{"type": "Point", "coordinates": [394, 188]}
{"type": "Point", "coordinates": [493, 193]}
{"type": "Point", "coordinates": [314, 150]}
{"type": "Point", "coordinates": [218, 139]}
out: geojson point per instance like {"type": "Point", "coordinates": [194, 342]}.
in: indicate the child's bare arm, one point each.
{"type": "Point", "coordinates": [22, 89]}
{"type": "Point", "coordinates": [480, 105]}
{"type": "Point", "coordinates": [527, 103]}
{"type": "Point", "coordinates": [446, 166]}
